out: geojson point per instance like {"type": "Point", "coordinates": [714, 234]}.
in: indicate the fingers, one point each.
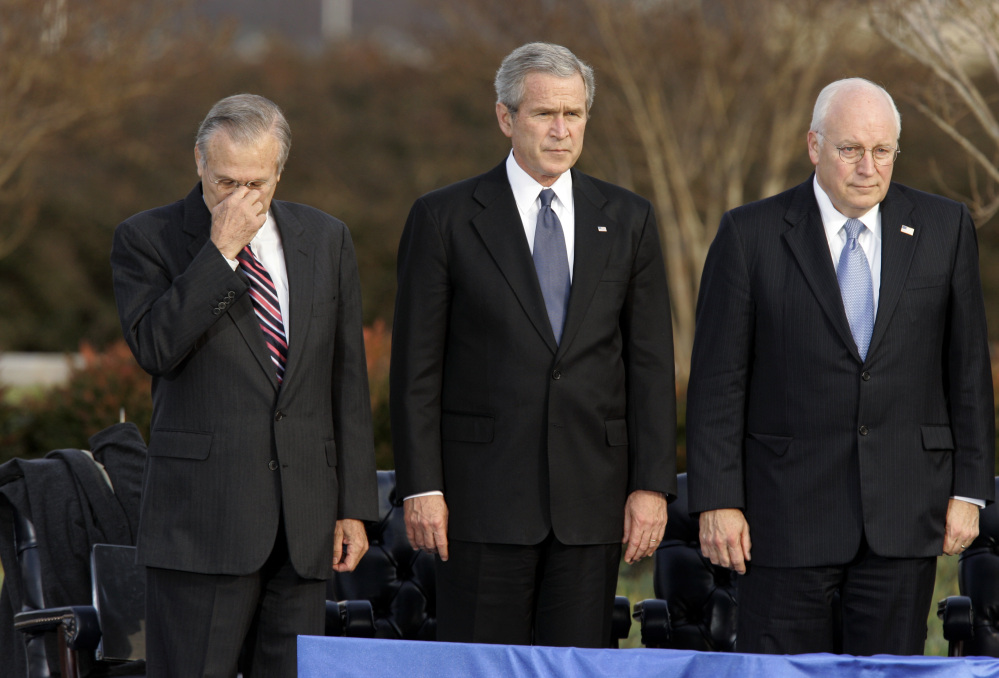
{"type": "Point", "coordinates": [961, 526]}
{"type": "Point", "coordinates": [236, 219]}
{"type": "Point", "coordinates": [645, 516]}
{"type": "Point", "coordinates": [426, 524]}
{"type": "Point", "coordinates": [724, 536]}
{"type": "Point", "coordinates": [350, 543]}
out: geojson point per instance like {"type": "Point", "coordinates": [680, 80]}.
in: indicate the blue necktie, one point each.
{"type": "Point", "coordinates": [854, 276]}
{"type": "Point", "coordinates": [552, 263]}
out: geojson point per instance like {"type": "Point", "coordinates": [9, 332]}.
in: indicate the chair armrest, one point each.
{"type": "Point", "coordinates": [79, 624]}
{"type": "Point", "coordinates": [351, 618]}
{"type": "Point", "coordinates": [653, 617]}
{"type": "Point", "coordinates": [958, 619]}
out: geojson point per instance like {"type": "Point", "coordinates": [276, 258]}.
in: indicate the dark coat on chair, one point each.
{"type": "Point", "coordinates": [72, 506]}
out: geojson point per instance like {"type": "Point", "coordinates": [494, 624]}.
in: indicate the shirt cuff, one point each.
{"type": "Point", "coordinates": [432, 493]}
{"type": "Point", "coordinates": [977, 502]}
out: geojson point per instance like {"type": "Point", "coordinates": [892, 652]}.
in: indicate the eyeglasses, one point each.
{"type": "Point", "coordinates": [227, 185]}
{"type": "Point", "coordinates": [852, 153]}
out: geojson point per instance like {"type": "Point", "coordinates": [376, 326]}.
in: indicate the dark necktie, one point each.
{"type": "Point", "coordinates": [268, 308]}
{"type": "Point", "coordinates": [552, 263]}
{"type": "Point", "coordinates": [854, 275]}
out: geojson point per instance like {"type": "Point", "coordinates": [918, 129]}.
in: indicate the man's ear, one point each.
{"type": "Point", "coordinates": [505, 119]}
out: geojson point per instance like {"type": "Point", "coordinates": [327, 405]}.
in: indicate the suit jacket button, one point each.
{"type": "Point", "coordinates": [864, 430]}
{"type": "Point", "coordinates": [866, 376]}
{"type": "Point", "coordinates": [556, 375]}
{"type": "Point", "coordinates": [279, 415]}
{"type": "Point", "coordinates": [216, 310]}
{"type": "Point", "coordinates": [272, 465]}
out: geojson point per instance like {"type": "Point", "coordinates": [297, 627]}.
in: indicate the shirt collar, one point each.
{"type": "Point", "coordinates": [833, 220]}
{"type": "Point", "coordinates": [526, 189]}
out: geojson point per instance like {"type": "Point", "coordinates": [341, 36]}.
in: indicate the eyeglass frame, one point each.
{"type": "Point", "coordinates": [863, 151]}
{"type": "Point", "coordinates": [262, 184]}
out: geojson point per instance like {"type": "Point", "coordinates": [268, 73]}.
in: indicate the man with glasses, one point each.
{"type": "Point", "coordinates": [840, 408]}
{"type": "Point", "coordinates": [247, 313]}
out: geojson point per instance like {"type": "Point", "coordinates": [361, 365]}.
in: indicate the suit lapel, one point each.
{"type": "Point", "coordinates": [299, 262]}
{"type": "Point", "coordinates": [592, 249]}
{"type": "Point", "coordinates": [500, 227]}
{"type": "Point", "coordinates": [808, 243]}
{"type": "Point", "coordinates": [896, 255]}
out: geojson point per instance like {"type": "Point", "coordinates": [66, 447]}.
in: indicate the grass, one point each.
{"type": "Point", "coordinates": [635, 583]}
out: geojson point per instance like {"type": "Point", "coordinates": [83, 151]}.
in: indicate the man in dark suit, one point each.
{"type": "Point", "coordinates": [533, 404]}
{"type": "Point", "coordinates": [247, 312]}
{"type": "Point", "coordinates": [840, 406]}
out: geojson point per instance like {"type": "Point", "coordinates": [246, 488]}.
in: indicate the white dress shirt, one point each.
{"type": "Point", "coordinates": [869, 239]}
{"type": "Point", "coordinates": [526, 192]}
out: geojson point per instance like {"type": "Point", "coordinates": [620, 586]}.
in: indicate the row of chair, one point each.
{"type": "Point", "coordinates": [391, 594]}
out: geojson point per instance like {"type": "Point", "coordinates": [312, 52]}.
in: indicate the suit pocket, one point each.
{"type": "Point", "coordinates": [616, 274]}
{"type": "Point", "coordinates": [180, 444]}
{"type": "Point", "coordinates": [937, 438]}
{"type": "Point", "coordinates": [331, 453]}
{"type": "Point", "coordinates": [917, 282]}
{"type": "Point", "coordinates": [617, 432]}
{"type": "Point", "coordinates": [467, 428]}
{"type": "Point", "coordinates": [778, 445]}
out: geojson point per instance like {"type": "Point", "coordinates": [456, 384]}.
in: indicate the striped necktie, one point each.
{"type": "Point", "coordinates": [268, 308]}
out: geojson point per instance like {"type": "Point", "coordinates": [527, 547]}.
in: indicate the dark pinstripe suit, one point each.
{"type": "Point", "coordinates": [820, 449]}
{"type": "Point", "coordinates": [230, 453]}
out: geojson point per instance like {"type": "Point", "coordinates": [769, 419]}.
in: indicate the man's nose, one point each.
{"type": "Point", "coordinates": [559, 129]}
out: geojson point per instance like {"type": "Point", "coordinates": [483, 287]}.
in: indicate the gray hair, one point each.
{"type": "Point", "coordinates": [828, 94]}
{"type": "Point", "coordinates": [245, 118]}
{"type": "Point", "coordinates": [538, 57]}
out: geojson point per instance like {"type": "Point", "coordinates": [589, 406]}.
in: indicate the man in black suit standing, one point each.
{"type": "Point", "coordinates": [533, 404]}
{"type": "Point", "coordinates": [247, 312]}
{"type": "Point", "coordinates": [840, 406]}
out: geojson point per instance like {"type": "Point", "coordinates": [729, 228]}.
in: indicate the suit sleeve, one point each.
{"type": "Point", "coordinates": [969, 374]}
{"type": "Point", "coordinates": [719, 376]}
{"type": "Point", "coordinates": [351, 399]}
{"type": "Point", "coordinates": [647, 330]}
{"type": "Point", "coordinates": [419, 335]}
{"type": "Point", "coordinates": [162, 313]}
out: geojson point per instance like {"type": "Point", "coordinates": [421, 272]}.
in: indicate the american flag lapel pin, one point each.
{"type": "Point", "coordinates": [908, 230]}
{"type": "Point", "coordinates": [602, 229]}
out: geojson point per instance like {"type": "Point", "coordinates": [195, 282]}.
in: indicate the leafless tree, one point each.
{"type": "Point", "coordinates": [69, 65]}
{"type": "Point", "coordinates": [958, 40]}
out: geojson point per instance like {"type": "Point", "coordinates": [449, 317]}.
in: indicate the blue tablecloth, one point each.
{"type": "Point", "coordinates": [363, 658]}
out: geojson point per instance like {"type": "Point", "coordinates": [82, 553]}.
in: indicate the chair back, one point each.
{"type": "Point", "coordinates": [399, 581]}
{"type": "Point", "coordinates": [978, 578]}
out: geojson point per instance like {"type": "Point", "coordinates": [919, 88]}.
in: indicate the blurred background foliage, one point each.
{"type": "Point", "coordinates": [701, 105]}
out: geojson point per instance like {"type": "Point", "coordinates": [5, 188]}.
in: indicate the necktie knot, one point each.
{"type": "Point", "coordinates": [853, 227]}
{"type": "Point", "coordinates": [546, 197]}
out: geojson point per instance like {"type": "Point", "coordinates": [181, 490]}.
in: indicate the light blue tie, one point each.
{"type": "Point", "coordinates": [854, 275]}
{"type": "Point", "coordinates": [552, 263]}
